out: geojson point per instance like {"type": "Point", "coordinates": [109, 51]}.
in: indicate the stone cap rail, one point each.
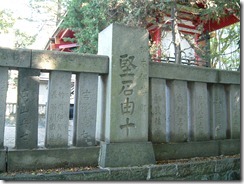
{"type": "Point", "coordinates": [53, 60]}
{"type": "Point", "coordinates": [196, 74]}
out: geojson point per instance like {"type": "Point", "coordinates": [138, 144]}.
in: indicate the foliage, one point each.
{"type": "Point", "coordinates": [88, 17]}
{"type": "Point", "coordinates": [225, 48]}
{"type": "Point", "coordinates": [6, 21]}
{"type": "Point", "coordinates": [22, 39]}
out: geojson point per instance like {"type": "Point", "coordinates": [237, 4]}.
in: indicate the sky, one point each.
{"type": "Point", "coordinates": [21, 9]}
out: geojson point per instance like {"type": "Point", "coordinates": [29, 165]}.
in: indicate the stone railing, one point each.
{"type": "Point", "coordinates": [193, 111]}
{"type": "Point", "coordinates": [127, 110]}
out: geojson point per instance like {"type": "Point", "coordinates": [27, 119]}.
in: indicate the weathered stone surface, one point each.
{"type": "Point", "coordinates": [126, 154]}
{"type": "Point", "coordinates": [191, 149]}
{"type": "Point", "coordinates": [190, 171]}
{"type": "Point", "coordinates": [52, 158]}
{"type": "Point", "coordinates": [178, 121]}
{"type": "Point", "coordinates": [128, 174]}
{"type": "Point", "coordinates": [51, 60]}
{"type": "Point", "coordinates": [174, 71]}
{"type": "Point", "coordinates": [15, 58]}
{"type": "Point", "coordinates": [229, 77]}
{"type": "Point", "coordinates": [199, 124]}
{"type": "Point", "coordinates": [159, 171]}
{"type": "Point", "coordinates": [58, 109]}
{"type": "Point", "coordinates": [85, 109]}
{"type": "Point", "coordinates": [27, 109]}
{"type": "Point", "coordinates": [127, 83]}
{"type": "Point", "coordinates": [157, 113]}
{"type": "Point", "coordinates": [101, 106]}
{"type": "Point", "coordinates": [230, 146]}
{"type": "Point", "coordinates": [234, 111]}
{"type": "Point", "coordinates": [3, 96]}
{"type": "Point", "coordinates": [218, 111]}
{"type": "Point", "coordinates": [2, 160]}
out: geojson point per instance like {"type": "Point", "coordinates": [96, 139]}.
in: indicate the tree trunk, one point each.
{"type": "Point", "coordinates": [175, 33]}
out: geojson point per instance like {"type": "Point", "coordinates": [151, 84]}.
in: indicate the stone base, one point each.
{"type": "Point", "coordinates": [126, 154]}
{"type": "Point", "coordinates": [2, 160]}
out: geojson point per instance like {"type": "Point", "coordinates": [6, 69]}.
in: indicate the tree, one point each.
{"type": "Point", "coordinates": [6, 21]}
{"type": "Point", "coordinates": [88, 17]}
{"type": "Point", "coordinates": [225, 48]}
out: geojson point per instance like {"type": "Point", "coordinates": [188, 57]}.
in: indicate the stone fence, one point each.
{"type": "Point", "coordinates": [128, 111]}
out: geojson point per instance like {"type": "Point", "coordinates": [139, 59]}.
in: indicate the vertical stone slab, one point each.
{"type": "Point", "coordinates": [218, 112]}
{"type": "Point", "coordinates": [178, 111]}
{"type": "Point", "coordinates": [157, 120]}
{"type": "Point", "coordinates": [126, 106]}
{"type": "Point", "coordinates": [199, 111]}
{"type": "Point", "coordinates": [234, 111]}
{"type": "Point", "coordinates": [127, 83]}
{"type": "Point", "coordinates": [3, 96]}
{"type": "Point", "coordinates": [101, 106]}
{"type": "Point", "coordinates": [57, 122]}
{"type": "Point", "coordinates": [27, 109]}
{"type": "Point", "coordinates": [85, 109]}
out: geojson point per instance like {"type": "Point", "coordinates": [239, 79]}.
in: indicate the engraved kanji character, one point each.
{"type": "Point", "coordinates": [126, 63]}
{"type": "Point", "coordinates": [127, 126]}
{"type": "Point", "coordinates": [126, 88]}
{"type": "Point", "coordinates": [127, 106]}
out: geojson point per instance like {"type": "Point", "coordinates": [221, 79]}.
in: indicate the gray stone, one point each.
{"type": "Point", "coordinates": [178, 111]}
{"type": "Point", "coordinates": [191, 149]}
{"type": "Point", "coordinates": [2, 160]}
{"type": "Point", "coordinates": [158, 171]}
{"type": "Point", "coordinates": [126, 154]}
{"type": "Point", "coordinates": [198, 74]}
{"type": "Point", "coordinates": [126, 100]}
{"type": "Point", "coordinates": [234, 111]}
{"type": "Point", "coordinates": [64, 61]}
{"type": "Point", "coordinates": [15, 57]}
{"type": "Point", "coordinates": [157, 118]}
{"type": "Point", "coordinates": [199, 111]}
{"type": "Point", "coordinates": [127, 83]}
{"type": "Point", "coordinates": [3, 96]}
{"type": "Point", "coordinates": [128, 173]}
{"type": "Point", "coordinates": [230, 146]}
{"type": "Point", "coordinates": [229, 77]}
{"type": "Point", "coordinates": [52, 158]}
{"type": "Point", "coordinates": [85, 109]}
{"type": "Point", "coordinates": [58, 109]}
{"type": "Point", "coordinates": [218, 111]}
{"type": "Point", "coordinates": [101, 105]}
{"type": "Point", "coordinates": [27, 109]}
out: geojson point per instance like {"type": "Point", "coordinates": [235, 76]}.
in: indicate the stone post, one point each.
{"type": "Point", "coordinates": [218, 112]}
{"type": "Point", "coordinates": [3, 96]}
{"type": "Point", "coordinates": [27, 109]}
{"type": "Point", "coordinates": [57, 119]}
{"type": "Point", "coordinates": [126, 105]}
{"type": "Point", "coordinates": [234, 112]}
{"type": "Point", "coordinates": [85, 109]}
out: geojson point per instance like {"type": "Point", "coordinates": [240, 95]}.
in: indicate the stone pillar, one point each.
{"type": "Point", "coordinates": [85, 109]}
{"type": "Point", "coordinates": [199, 112]}
{"type": "Point", "coordinates": [234, 111]}
{"type": "Point", "coordinates": [126, 106]}
{"type": "Point", "coordinates": [3, 96]}
{"type": "Point", "coordinates": [157, 120]}
{"type": "Point", "coordinates": [27, 109]}
{"type": "Point", "coordinates": [218, 112]}
{"type": "Point", "coordinates": [57, 118]}
{"type": "Point", "coordinates": [178, 111]}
